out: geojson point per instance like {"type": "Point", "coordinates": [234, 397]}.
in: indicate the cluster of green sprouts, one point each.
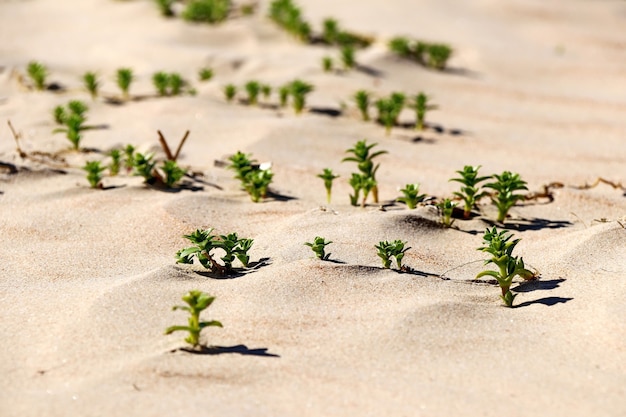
{"type": "Point", "coordinates": [168, 84]}
{"type": "Point", "coordinates": [38, 74]}
{"type": "Point", "coordinates": [205, 243]}
{"type": "Point", "coordinates": [72, 118]}
{"type": "Point", "coordinates": [207, 11]}
{"type": "Point", "coordinates": [255, 178]}
{"type": "Point", "coordinates": [365, 180]}
{"type": "Point", "coordinates": [411, 196]}
{"type": "Point", "coordinates": [432, 55]}
{"type": "Point", "coordinates": [388, 250]}
{"type": "Point", "coordinates": [197, 301]}
{"type": "Point", "coordinates": [500, 246]}
{"type": "Point", "coordinates": [296, 89]}
{"type": "Point", "coordinates": [124, 77]}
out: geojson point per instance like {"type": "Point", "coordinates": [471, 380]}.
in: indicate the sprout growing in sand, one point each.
{"type": "Point", "coordinates": [411, 196]}
{"type": "Point", "coordinates": [207, 11]}
{"type": "Point", "coordinates": [205, 74]}
{"type": "Point", "coordinates": [161, 81]}
{"type": "Point", "coordinates": [144, 167]}
{"type": "Point", "coordinates": [299, 89]}
{"type": "Point", "coordinates": [124, 78]}
{"type": "Point", "coordinates": [288, 16]}
{"type": "Point", "coordinates": [470, 191]}
{"type": "Point", "coordinates": [500, 246]}
{"type": "Point", "coordinates": [230, 90]}
{"type": "Point", "coordinates": [505, 186]}
{"type": "Point", "coordinates": [401, 46]}
{"type": "Point", "coordinates": [421, 106]}
{"type": "Point", "coordinates": [205, 243]}
{"type": "Point", "coordinates": [347, 57]}
{"type": "Point", "coordinates": [388, 250]}
{"type": "Point", "coordinates": [90, 81]}
{"type": "Point", "coordinates": [116, 162]}
{"type": "Point", "coordinates": [438, 55]}
{"type": "Point", "coordinates": [283, 95]}
{"type": "Point", "coordinates": [446, 208]}
{"type": "Point", "coordinates": [255, 179]}
{"type": "Point", "coordinates": [327, 64]}
{"type": "Point", "coordinates": [37, 73]}
{"type": "Point", "coordinates": [129, 157]}
{"type": "Point", "coordinates": [362, 99]}
{"type": "Point", "coordinates": [176, 83]}
{"type": "Point", "coordinates": [364, 159]}
{"type": "Point", "coordinates": [73, 119]}
{"type": "Point", "coordinates": [328, 176]}
{"type": "Point", "coordinates": [318, 246]}
{"type": "Point", "coordinates": [253, 88]}
{"type": "Point", "coordinates": [266, 91]}
{"type": "Point", "coordinates": [197, 301]}
{"type": "Point", "coordinates": [330, 31]}
{"type": "Point", "coordinates": [389, 110]}
{"type": "Point", "coordinates": [172, 173]}
{"type": "Point", "coordinates": [94, 173]}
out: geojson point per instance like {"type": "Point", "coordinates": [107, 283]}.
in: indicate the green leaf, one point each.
{"type": "Point", "coordinates": [173, 329]}
{"type": "Point", "coordinates": [215, 323]}
{"type": "Point", "coordinates": [493, 274]}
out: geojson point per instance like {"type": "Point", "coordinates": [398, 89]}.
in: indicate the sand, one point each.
{"type": "Point", "coordinates": [88, 277]}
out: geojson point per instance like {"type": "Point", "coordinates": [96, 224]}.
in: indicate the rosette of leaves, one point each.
{"type": "Point", "coordinates": [319, 247]}
{"type": "Point", "coordinates": [364, 160]}
{"type": "Point", "coordinates": [470, 191]}
{"type": "Point", "coordinates": [411, 196]}
{"type": "Point", "coordinates": [143, 165]}
{"type": "Point", "coordinates": [500, 246]}
{"type": "Point", "coordinates": [505, 186]}
{"type": "Point", "coordinates": [197, 301]}
{"type": "Point", "coordinates": [161, 81]}
{"type": "Point", "coordinates": [205, 250]}
{"type": "Point", "coordinates": [73, 119]}
{"type": "Point", "coordinates": [401, 46]}
{"type": "Point", "coordinates": [205, 74]}
{"type": "Point", "coordinates": [283, 95]}
{"type": "Point", "coordinates": [388, 250]}
{"type": "Point", "coordinates": [288, 16]}
{"type": "Point", "coordinates": [116, 162]}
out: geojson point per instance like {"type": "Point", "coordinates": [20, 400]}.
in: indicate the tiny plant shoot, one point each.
{"type": "Point", "coordinates": [230, 90]}
{"type": "Point", "coordinates": [327, 64]}
{"type": "Point", "coordinates": [364, 159]}
{"type": "Point", "coordinates": [421, 106]}
{"type": "Point", "coordinates": [388, 250]}
{"type": "Point", "coordinates": [505, 186]}
{"type": "Point", "coordinates": [318, 246]}
{"type": "Point", "coordinates": [328, 176]}
{"type": "Point", "coordinates": [347, 57]}
{"type": "Point", "coordinates": [299, 90]}
{"type": "Point", "coordinates": [446, 208]}
{"type": "Point", "coordinates": [470, 191]}
{"type": "Point", "coordinates": [500, 246]}
{"type": "Point", "coordinates": [253, 88]}
{"type": "Point", "coordinates": [73, 119]}
{"type": "Point", "coordinates": [283, 95]}
{"type": "Point", "coordinates": [205, 243]}
{"type": "Point", "coordinates": [362, 99]}
{"type": "Point", "coordinates": [37, 73]}
{"type": "Point", "coordinates": [205, 74]}
{"type": "Point", "coordinates": [124, 77]}
{"type": "Point", "coordinates": [254, 179]}
{"type": "Point", "coordinates": [207, 11]}
{"type": "Point", "coordinates": [91, 83]}
{"type": "Point", "coordinates": [94, 173]}
{"type": "Point", "coordinates": [197, 302]}
{"type": "Point", "coordinates": [172, 173]}
{"type": "Point", "coordinates": [161, 81]}
{"type": "Point", "coordinates": [411, 196]}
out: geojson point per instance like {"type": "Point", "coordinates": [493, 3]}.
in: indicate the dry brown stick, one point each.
{"type": "Point", "coordinates": [180, 145]}
{"type": "Point", "coordinates": [616, 185]}
{"type": "Point", "coordinates": [165, 146]}
{"type": "Point", "coordinates": [17, 137]}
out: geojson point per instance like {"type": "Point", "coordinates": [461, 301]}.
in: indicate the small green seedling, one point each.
{"type": "Point", "coordinates": [59, 114]}
{"type": "Point", "coordinates": [266, 91]}
{"type": "Point", "coordinates": [411, 196]}
{"type": "Point", "coordinates": [327, 64]}
{"type": "Point", "coordinates": [386, 113]}
{"type": "Point", "coordinates": [362, 99]}
{"type": "Point", "coordinates": [364, 159]}
{"type": "Point", "coordinates": [253, 88]}
{"type": "Point", "coordinates": [254, 178]}
{"type": "Point", "coordinates": [347, 57]}
{"type": "Point", "coordinates": [91, 83]}
{"type": "Point", "coordinates": [124, 78]}
{"type": "Point", "coordinates": [367, 185]}
{"type": "Point", "coordinates": [401, 46]}
{"type": "Point", "coordinates": [129, 157]}
{"type": "Point", "coordinates": [144, 167]}
{"type": "Point", "coordinates": [421, 106]}
{"type": "Point", "coordinates": [356, 182]}
{"type": "Point", "coordinates": [205, 74]}
{"type": "Point", "coordinates": [420, 50]}
{"type": "Point", "coordinates": [172, 173]}
{"type": "Point", "coordinates": [73, 119]}
{"type": "Point", "coordinates": [505, 186]}
{"type": "Point", "coordinates": [161, 81]}
{"type": "Point", "coordinates": [470, 191]}
{"type": "Point", "coordinates": [288, 16]}
{"type": "Point", "coordinates": [230, 90]}
{"type": "Point", "coordinates": [197, 301]}
{"type": "Point", "coordinates": [438, 55]}
{"type": "Point", "coordinates": [176, 83]}
{"type": "Point", "coordinates": [388, 250]}
{"type": "Point", "coordinates": [116, 162]}
{"type": "Point", "coordinates": [94, 173]}
{"type": "Point", "coordinates": [446, 208]}
{"type": "Point", "coordinates": [37, 73]}
{"type": "Point", "coordinates": [283, 95]}
{"type": "Point", "coordinates": [207, 11]}
{"type": "Point", "coordinates": [205, 242]}
{"type": "Point", "coordinates": [330, 31]}
{"type": "Point", "coordinates": [299, 89]}
{"type": "Point", "coordinates": [328, 176]}
{"type": "Point", "coordinates": [318, 246]}
{"type": "Point", "coordinates": [500, 246]}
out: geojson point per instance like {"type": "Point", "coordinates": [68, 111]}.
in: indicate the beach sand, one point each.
{"type": "Point", "coordinates": [88, 277]}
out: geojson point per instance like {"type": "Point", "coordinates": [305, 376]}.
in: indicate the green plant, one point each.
{"type": "Point", "coordinates": [299, 89]}
{"type": "Point", "coordinates": [318, 246]}
{"type": "Point", "coordinates": [470, 190]}
{"type": "Point", "coordinates": [73, 119]}
{"type": "Point", "coordinates": [411, 195]}
{"type": "Point", "coordinates": [446, 208]}
{"type": "Point", "coordinates": [77, 107]}
{"type": "Point", "coordinates": [254, 180]}
{"type": "Point", "coordinates": [364, 159]}
{"type": "Point", "coordinates": [419, 52]}
{"type": "Point", "coordinates": [367, 185]}
{"type": "Point", "coordinates": [207, 11]}
{"type": "Point", "coordinates": [129, 157]}
{"type": "Point", "coordinates": [94, 173]}
{"type": "Point", "coordinates": [395, 249]}
{"type": "Point", "coordinates": [283, 95]}
{"type": "Point", "coordinates": [327, 64]}
{"type": "Point", "coordinates": [355, 181]}
{"type": "Point", "coordinates": [116, 162]}
{"type": "Point", "coordinates": [143, 166]}
{"type": "Point", "coordinates": [176, 83]}
{"type": "Point", "coordinates": [266, 91]}
{"type": "Point", "coordinates": [161, 81]}
{"type": "Point", "coordinates": [505, 186]}
{"type": "Point", "coordinates": [328, 176]}
{"type": "Point", "coordinates": [330, 32]}
{"type": "Point", "coordinates": [124, 78]}
{"type": "Point", "coordinates": [421, 106]}
{"type": "Point", "coordinates": [288, 16]}
{"type": "Point", "coordinates": [401, 46]}
{"type": "Point", "coordinates": [347, 57]}
{"type": "Point", "coordinates": [37, 73]}
{"type": "Point", "coordinates": [59, 114]}
{"type": "Point", "coordinates": [165, 7]}
{"type": "Point", "coordinates": [173, 173]}
{"type": "Point", "coordinates": [500, 246]}
{"type": "Point", "coordinates": [438, 55]}
{"type": "Point", "coordinates": [205, 74]}
{"type": "Point", "coordinates": [386, 113]}
{"type": "Point", "coordinates": [197, 301]}
{"type": "Point", "coordinates": [230, 91]}
{"type": "Point", "coordinates": [205, 242]}
{"type": "Point", "coordinates": [362, 99]}
{"type": "Point", "coordinates": [253, 88]}
{"type": "Point", "coordinates": [90, 80]}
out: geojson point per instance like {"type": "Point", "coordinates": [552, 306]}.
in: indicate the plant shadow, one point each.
{"type": "Point", "coordinates": [539, 285]}
{"type": "Point", "coordinates": [220, 350]}
{"type": "Point", "coordinates": [279, 197]}
{"type": "Point", "coordinates": [535, 224]}
{"type": "Point", "coordinates": [546, 301]}
{"type": "Point", "coordinates": [325, 111]}
{"type": "Point", "coordinates": [371, 71]}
